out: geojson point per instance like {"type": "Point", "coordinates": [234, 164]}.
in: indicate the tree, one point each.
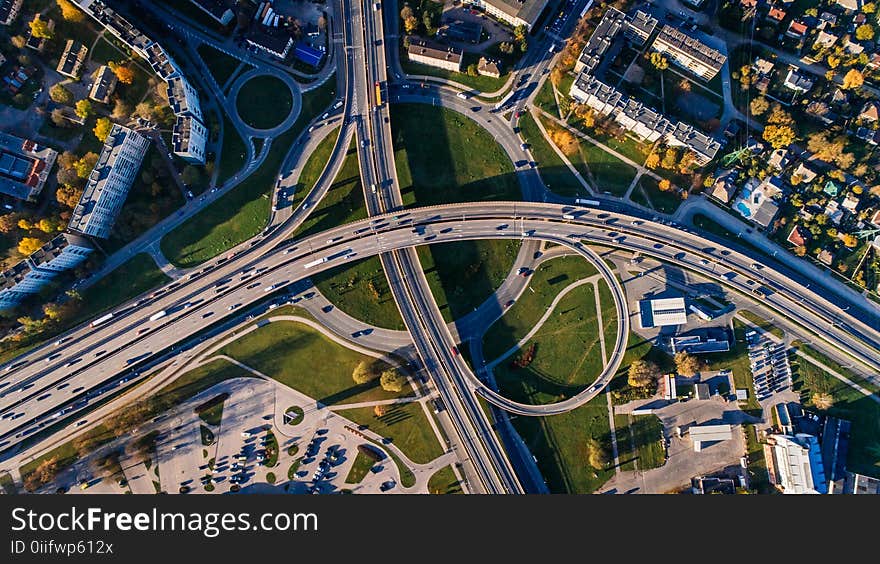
{"type": "Point", "coordinates": [85, 165]}
{"type": "Point", "coordinates": [686, 364]}
{"type": "Point", "coordinates": [664, 185]}
{"type": "Point", "coordinates": [406, 13]}
{"type": "Point", "coordinates": [8, 223]}
{"type": "Point", "coordinates": [61, 95]}
{"type": "Point", "coordinates": [865, 32]}
{"type": "Point", "coordinates": [852, 80]}
{"type": "Point", "coordinates": [380, 410]}
{"type": "Point", "coordinates": [44, 473]}
{"type": "Point", "coordinates": [144, 109]}
{"type": "Point", "coordinates": [778, 116]}
{"type": "Point", "coordinates": [84, 108]}
{"type": "Point", "coordinates": [659, 61]}
{"type": "Point", "coordinates": [70, 12]}
{"type": "Point", "coordinates": [833, 61]}
{"type": "Point", "coordinates": [124, 73]}
{"type": "Point", "coordinates": [759, 105]}
{"type": "Point", "coordinates": [506, 47]}
{"type": "Point", "coordinates": [102, 129]}
{"type": "Point", "coordinates": [869, 8]}
{"type": "Point", "coordinates": [800, 250]}
{"type": "Point", "coordinates": [58, 119]}
{"type": "Point", "coordinates": [556, 76]}
{"type": "Point", "coordinates": [642, 374]}
{"type": "Point", "coordinates": [523, 46]}
{"type": "Point", "coordinates": [121, 110]}
{"type": "Point", "coordinates": [47, 226]}
{"type": "Point", "coordinates": [472, 70]}
{"type": "Point", "coordinates": [40, 28]}
{"type": "Point", "coordinates": [29, 245]}
{"type": "Point", "coordinates": [18, 41]}
{"type": "Point", "coordinates": [428, 20]}
{"type": "Point", "coordinates": [392, 380]}
{"type": "Point", "coordinates": [779, 135]}
{"type": "Point", "coordinates": [851, 241]}
{"type": "Point", "coordinates": [410, 24]}
{"type": "Point", "coordinates": [653, 161]}
{"type": "Point", "coordinates": [597, 455]}
{"type": "Point", "coordinates": [363, 373]}
{"type": "Point", "coordinates": [670, 157]}
{"type": "Point", "coordinates": [519, 33]}
{"type": "Point", "coordinates": [822, 400]}
{"type": "Point", "coordinates": [24, 223]}
{"type": "Point", "coordinates": [322, 22]}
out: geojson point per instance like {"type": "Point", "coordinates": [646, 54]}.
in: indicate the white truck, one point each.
{"type": "Point", "coordinates": [158, 315]}
{"type": "Point", "coordinates": [315, 262]}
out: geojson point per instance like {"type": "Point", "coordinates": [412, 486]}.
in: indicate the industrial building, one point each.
{"type": "Point", "coordinates": [435, 54]}
{"type": "Point", "coordinates": [663, 312]}
{"type": "Point", "coordinates": [307, 54]}
{"type": "Point", "coordinates": [701, 434]}
{"type": "Point", "coordinates": [28, 277]}
{"type": "Point", "coordinates": [514, 12]}
{"type": "Point", "coordinates": [24, 167]}
{"type": "Point", "coordinates": [794, 464]}
{"type": "Point", "coordinates": [711, 342]}
{"type": "Point", "coordinates": [109, 183]}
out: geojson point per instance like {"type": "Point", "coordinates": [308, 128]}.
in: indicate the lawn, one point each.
{"type": "Point", "coordinates": [640, 440]}
{"type": "Point", "coordinates": [554, 172]}
{"type": "Point", "coordinates": [244, 211]}
{"type": "Point", "coordinates": [360, 468]}
{"type": "Point", "coordinates": [545, 284]}
{"type": "Point", "coordinates": [443, 157]}
{"type": "Point", "coordinates": [609, 316]}
{"type": "Point", "coordinates": [105, 50]}
{"type": "Point", "coordinates": [864, 413]}
{"type": "Point", "coordinates": [220, 65]}
{"type": "Point", "coordinates": [297, 356]}
{"type": "Point", "coordinates": [662, 201]}
{"type": "Point", "coordinates": [7, 484]}
{"type": "Point", "coordinates": [344, 200]}
{"type": "Point", "coordinates": [737, 359]}
{"type": "Point", "coordinates": [463, 274]}
{"type": "Point", "coordinates": [443, 481]}
{"type": "Point", "coordinates": [407, 427]}
{"type": "Point", "coordinates": [311, 171]}
{"type": "Point", "coordinates": [233, 152]}
{"type": "Point", "coordinates": [757, 463]}
{"type": "Point", "coordinates": [601, 169]}
{"type": "Point", "coordinates": [361, 290]}
{"type": "Point", "coordinates": [66, 453]}
{"type": "Point", "coordinates": [212, 411]}
{"type": "Point", "coordinates": [545, 99]}
{"type": "Point", "coordinates": [762, 323]}
{"type": "Point", "coordinates": [264, 102]}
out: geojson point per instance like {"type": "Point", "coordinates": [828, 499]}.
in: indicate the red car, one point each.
{"type": "Point", "coordinates": [454, 351]}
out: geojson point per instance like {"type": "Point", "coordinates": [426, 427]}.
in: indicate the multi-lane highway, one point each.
{"type": "Point", "coordinates": [47, 382]}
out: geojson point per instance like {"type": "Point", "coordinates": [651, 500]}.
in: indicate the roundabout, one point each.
{"type": "Point", "coordinates": [260, 97]}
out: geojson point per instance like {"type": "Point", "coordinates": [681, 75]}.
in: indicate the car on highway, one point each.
{"type": "Point", "coordinates": [454, 350]}
{"type": "Point", "coordinates": [523, 271]}
{"type": "Point", "coordinates": [232, 307]}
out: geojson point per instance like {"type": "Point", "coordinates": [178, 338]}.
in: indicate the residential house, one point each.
{"type": "Point", "coordinates": [870, 112]}
{"type": "Point", "coordinates": [514, 12]}
{"type": "Point", "coordinates": [833, 212]}
{"type": "Point", "coordinates": [776, 15]}
{"type": "Point", "coordinates": [725, 185]}
{"type": "Point", "coordinates": [24, 167]}
{"type": "Point", "coordinates": [779, 158]}
{"type": "Point", "coordinates": [804, 173]}
{"type": "Point", "coordinates": [851, 5]}
{"type": "Point", "coordinates": [762, 67]}
{"type": "Point", "coordinates": [827, 19]}
{"type": "Point", "coordinates": [38, 43]}
{"type": "Point", "coordinates": [851, 202]}
{"type": "Point", "coordinates": [826, 257]}
{"type": "Point", "coordinates": [796, 30]}
{"type": "Point", "coordinates": [489, 67]}
{"type": "Point", "coordinates": [799, 236]}
{"type": "Point", "coordinates": [797, 81]}
{"type": "Point", "coordinates": [689, 52]}
{"type": "Point", "coordinates": [825, 40]}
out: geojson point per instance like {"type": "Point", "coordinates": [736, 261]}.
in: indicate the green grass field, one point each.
{"type": "Point", "coordinates": [360, 468]}
{"type": "Point", "coordinates": [264, 102]}
{"type": "Point", "coordinates": [443, 481]}
{"type": "Point", "coordinates": [663, 202]}
{"type": "Point", "coordinates": [220, 65]}
{"type": "Point", "coordinates": [344, 201]}
{"type": "Point", "coordinates": [547, 281]}
{"type": "Point", "coordinates": [555, 174]}
{"type": "Point", "coordinates": [443, 157]}
{"type": "Point", "coordinates": [545, 99]}
{"type": "Point", "coordinates": [481, 83]}
{"type": "Point", "coordinates": [232, 152]}
{"type": "Point", "coordinates": [361, 290]}
{"type": "Point", "coordinates": [244, 211]}
{"type": "Point", "coordinates": [6, 484]}
{"type": "Point", "coordinates": [136, 276]}
{"type": "Point", "coordinates": [296, 355]}
{"type": "Point", "coordinates": [463, 274]}
{"type": "Point", "coordinates": [407, 427]}
{"type": "Point", "coordinates": [864, 447]}
{"type": "Point", "coordinates": [737, 359]}
{"type": "Point", "coordinates": [311, 171]}
{"type": "Point", "coordinates": [640, 440]}
{"type": "Point", "coordinates": [603, 170]}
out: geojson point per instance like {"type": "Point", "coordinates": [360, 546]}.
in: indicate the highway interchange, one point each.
{"type": "Point", "coordinates": [58, 380]}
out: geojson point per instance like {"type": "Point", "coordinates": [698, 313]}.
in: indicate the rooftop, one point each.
{"type": "Point", "coordinates": [105, 81]}
{"type": "Point", "coordinates": [526, 10]}
{"type": "Point", "coordinates": [434, 50]}
{"type": "Point", "coordinates": [692, 47]}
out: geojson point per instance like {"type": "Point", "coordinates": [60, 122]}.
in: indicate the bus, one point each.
{"type": "Point", "coordinates": [378, 94]}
